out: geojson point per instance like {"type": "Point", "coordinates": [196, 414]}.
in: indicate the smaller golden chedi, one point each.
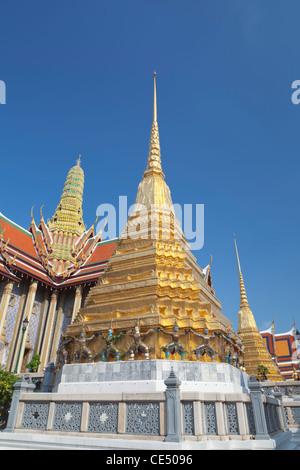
{"type": "Point", "coordinates": [256, 353]}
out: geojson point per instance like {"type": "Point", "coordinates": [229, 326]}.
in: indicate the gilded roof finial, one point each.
{"type": "Point", "coordinates": [96, 220]}
{"type": "Point", "coordinates": [78, 160]}
{"type": "Point", "coordinates": [244, 300]}
{"type": "Point", "coordinates": [32, 218]}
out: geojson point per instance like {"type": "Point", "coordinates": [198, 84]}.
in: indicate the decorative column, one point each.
{"type": "Point", "coordinates": [49, 330]}
{"type": "Point", "coordinates": [220, 419]}
{"type": "Point", "coordinates": [4, 303]}
{"type": "Point", "coordinates": [242, 419]}
{"type": "Point", "coordinates": [21, 342]}
{"type": "Point", "coordinates": [43, 319]}
{"type": "Point", "coordinates": [278, 395]}
{"type": "Point", "coordinates": [174, 425]}
{"type": "Point", "coordinates": [77, 301]}
{"type": "Point", "coordinates": [55, 342]}
{"type": "Point", "coordinates": [256, 396]}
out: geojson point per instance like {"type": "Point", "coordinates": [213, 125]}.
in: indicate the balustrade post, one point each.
{"type": "Point", "coordinates": [174, 425]}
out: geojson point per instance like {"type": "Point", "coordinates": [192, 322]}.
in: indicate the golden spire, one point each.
{"type": "Point", "coordinates": [244, 300]}
{"type": "Point", "coordinates": [154, 158]}
{"type": "Point", "coordinates": [153, 190]}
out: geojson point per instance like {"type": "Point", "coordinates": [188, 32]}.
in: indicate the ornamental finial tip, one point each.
{"type": "Point", "coordinates": [154, 99]}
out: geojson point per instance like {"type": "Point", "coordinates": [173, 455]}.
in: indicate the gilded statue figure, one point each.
{"type": "Point", "coordinates": [174, 346]}
{"type": "Point", "coordinates": [83, 350]}
{"type": "Point", "coordinates": [138, 347]}
{"type": "Point", "coordinates": [110, 348]}
{"type": "Point", "coordinates": [205, 347]}
{"type": "Point", "coordinates": [295, 374]}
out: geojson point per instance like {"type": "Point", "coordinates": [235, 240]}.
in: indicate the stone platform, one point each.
{"type": "Point", "coordinates": [148, 376]}
{"type": "Point", "coordinates": [145, 405]}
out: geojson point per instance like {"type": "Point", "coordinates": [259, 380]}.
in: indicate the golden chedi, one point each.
{"type": "Point", "coordinates": [256, 353]}
{"type": "Point", "coordinates": [152, 280]}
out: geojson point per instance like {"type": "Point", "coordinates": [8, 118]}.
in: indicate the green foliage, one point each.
{"type": "Point", "coordinates": [263, 370]}
{"type": "Point", "coordinates": [33, 365]}
{"type": "Point", "coordinates": [7, 381]}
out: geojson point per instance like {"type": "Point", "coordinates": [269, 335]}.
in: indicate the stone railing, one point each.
{"type": "Point", "coordinates": [290, 391]}
{"type": "Point", "coordinates": [292, 410]}
{"type": "Point", "coordinates": [288, 388]}
{"type": "Point", "coordinates": [171, 416]}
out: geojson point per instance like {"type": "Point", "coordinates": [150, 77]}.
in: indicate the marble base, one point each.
{"type": "Point", "coordinates": [148, 376]}
{"type": "Point", "coordinates": [42, 441]}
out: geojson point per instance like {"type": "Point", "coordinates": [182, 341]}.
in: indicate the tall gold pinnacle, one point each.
{"type": "Point", "coordinates": [153, 190]}
{"type": "Point", "coordinates": [154, 158]}
{"type": "Point", "coordinates": [244, 300]}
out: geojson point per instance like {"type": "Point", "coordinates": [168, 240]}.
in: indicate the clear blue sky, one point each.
{"type": "Point", "coordinates": [79, 80]}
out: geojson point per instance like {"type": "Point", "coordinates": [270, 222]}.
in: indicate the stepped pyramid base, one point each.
{"type": "Point", "coordinates": [148, 376]}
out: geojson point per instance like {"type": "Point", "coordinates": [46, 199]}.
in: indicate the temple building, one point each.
{"type": "Point", "coordinates": [284, 349]}
{"type": "Point", "coordinates": [46, 272]}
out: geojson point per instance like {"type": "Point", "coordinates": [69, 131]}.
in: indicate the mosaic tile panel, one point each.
{"type": "Point", "coordinates": [103, 418]}
{"type": "Point", "coordinates": [142, 418]}
{"type": "Point", "coordinates": [232, 419]}
{"type": "Point", "coordinates": [210, 418]}
{"type": "Point", "coordinates": [35, 416]}
{"type": "Point", "coordinates": [67, 416]}
{"type": "Point", "coordinates": [295, 410]}
{"type": "Point", "coordinates": [188, 417]}
{"type": "Point", "coordinates": [250, 417]}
